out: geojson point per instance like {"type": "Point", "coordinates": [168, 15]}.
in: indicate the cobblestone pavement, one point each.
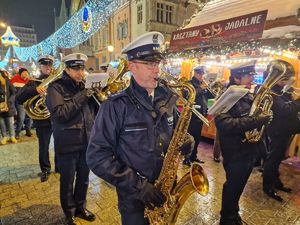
{"type": "Point", "coordinates": [25, 200]}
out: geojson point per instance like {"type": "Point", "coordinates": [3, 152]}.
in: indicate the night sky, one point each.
{"type": "Point", "coordinates": [27, 12]}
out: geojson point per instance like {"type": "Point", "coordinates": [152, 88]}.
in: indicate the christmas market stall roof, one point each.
{"type": "Point", "coordinates": [226, 21]}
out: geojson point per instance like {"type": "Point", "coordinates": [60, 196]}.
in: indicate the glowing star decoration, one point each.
{"type": "Point", "coordinates": [86, 19]}
{"type": "Point", "coordinates": [9, 38]}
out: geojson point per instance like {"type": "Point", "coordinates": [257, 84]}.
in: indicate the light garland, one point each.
{"type": "Point", "coordinates": [71, 33]}
{"type": "Point", "coordinates": [5, 60]}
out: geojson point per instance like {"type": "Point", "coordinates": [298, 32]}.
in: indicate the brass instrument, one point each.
{"type": "Point", "coordinates": [114, 84]}
{"type": "Point", "coordinates": [277, 70]}
{"type": "Point", "coordinates": [193, 181]}
{"type": "Point", "coordinates": [288, 88]}
{"type": "Point", "coordinates": [35, 107]}
{"type": "Point", "coordinates": [169, 78]}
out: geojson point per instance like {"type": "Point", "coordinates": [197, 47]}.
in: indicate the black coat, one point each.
{"type": "Point", "coordinates": [202, 95]}
{"type": "Point", "coordinates": [72, 114]}
{"type": "Point", "coordinates": [130, 137]}
{"type": "Point", "coordinates": [285, 114]}
{"type": "Point", "coordinates": [10, 94]}
{"type": "Point", "coordinates": [29, 91]}
{"type": "Point", "coordinates": [232, 127]}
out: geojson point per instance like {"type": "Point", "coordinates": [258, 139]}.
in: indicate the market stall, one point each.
{"type": "Point", "coordinates": [229, 32]}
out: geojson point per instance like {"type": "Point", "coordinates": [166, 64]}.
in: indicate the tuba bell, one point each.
{"type": "Point", "coordinates": [278, 70]}
{"type": "Point", "coordinates": [35, 107]}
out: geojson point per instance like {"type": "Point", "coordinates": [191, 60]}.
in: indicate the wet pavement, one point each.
{"type": "Point", "coordinates": [24, 200]}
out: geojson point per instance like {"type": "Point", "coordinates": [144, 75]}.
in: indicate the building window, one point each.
{"type": "Point", "coordinates": [160, 12]}
{"type": "Point", "coordinates": [122, 30]}
{"type": "Point", "coordinates": [139, 14]}
{"type": "Point", "coordinates": [164, 13]}
{"type": "Point", "coordinates": [168, 14]}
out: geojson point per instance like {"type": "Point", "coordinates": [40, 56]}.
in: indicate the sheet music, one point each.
{"type": "Point", "coordinates": [228, 99]}
{"type": "Point", "coordinates": [96, 80]}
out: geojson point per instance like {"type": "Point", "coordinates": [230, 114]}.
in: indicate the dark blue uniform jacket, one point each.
{"type": "Point", "coordinates": [130, 137]}
{"type": "Point", "coordinates": [285, 114]}
{"type": "Point", "coordinates": [72, 114]}
{"type": "Point", "coordinates": [232, 127]}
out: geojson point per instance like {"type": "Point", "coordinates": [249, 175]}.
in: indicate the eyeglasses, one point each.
{"type": "Point", "coordinates": [150, 65]}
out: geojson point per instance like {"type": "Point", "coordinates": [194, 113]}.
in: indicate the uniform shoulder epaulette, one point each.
{"type": "Point", "coordinates": [117, 95]}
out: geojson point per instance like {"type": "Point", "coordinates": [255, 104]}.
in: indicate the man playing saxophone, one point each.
{"type": "Point", "coordinates": [43, 127]}
{"type": "Point", "coordinates": [238, 155]}
{"type": "Point", "coordinates": [132, 131]}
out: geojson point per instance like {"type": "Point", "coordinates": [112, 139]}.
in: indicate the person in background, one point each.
{"type": "Point", "coordinates": [238, 155]}
{"type": "Point", "coordinates": [72, 113]}
{"type": "Point", "coordinates": [19, 81]}
{"type": "Point", "coordinates": [202, 96]}
{"type": "Point", "coordinates": [132, 132]}
{"type": "Point", "coordinates": [284, 125]}
{"type": "Point", "coordinates": [8, 93]}
{"type": "Point", "coordinates": [43, 127]}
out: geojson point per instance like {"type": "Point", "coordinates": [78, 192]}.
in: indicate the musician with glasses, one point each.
{"type": "Point", "coordinates": [72, 114]}
{"type": "Point", "coordinates": [43, 127]}
{"type": "Point", "coordinates": [238, 155]}
{"type": "Point", "coordinates": [132, 132]}
{"type": "Point", "coordinates": [285, 123]}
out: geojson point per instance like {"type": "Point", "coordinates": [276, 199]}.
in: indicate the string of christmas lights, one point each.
{"type": "Point", "coordinates": [74, 31]}
{"type": "Point", "coordinates": [6, 58]}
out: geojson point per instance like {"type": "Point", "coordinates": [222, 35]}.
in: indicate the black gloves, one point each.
{"type": "Point", "coordinates": [265, 117]}
{"type": "Point", "coordinates": [151, 196]}
{"type": "Point", "coordinates": [188, 145]}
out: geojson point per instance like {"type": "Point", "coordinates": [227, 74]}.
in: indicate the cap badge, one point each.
{"type": "Point", "coordinates": [155, 38]}
{"type": "Point", "coordinates": [77, 56]}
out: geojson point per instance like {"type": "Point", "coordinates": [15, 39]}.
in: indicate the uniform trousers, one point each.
{"type": "Point", "coordinates": [237, 174]}
{"type": "Point", "coordinates": [195, 128]}
{"type": "Point", "coordinates": [136, 218]}
{"type": "Point", "coordinates": [72, 196]}
{"type": "Point", "coordinates": [277, 148]}
{"type": "Point", "coordinates": [44, 134]}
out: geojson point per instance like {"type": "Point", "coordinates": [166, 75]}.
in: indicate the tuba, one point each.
{"type": "Point", "coordinates": [114, 84]}
{"type": "Point", "coordinates": [193, 181]}
{"type": "Point", "coordinates": [278, 70]}
{"type": "Point", "coordinates": [35, 107]}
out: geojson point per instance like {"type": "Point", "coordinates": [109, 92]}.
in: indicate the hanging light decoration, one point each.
{"type": "Point", "coordinates": [79, 28]}
{"type": "Point", "coordinates": [9, 38]}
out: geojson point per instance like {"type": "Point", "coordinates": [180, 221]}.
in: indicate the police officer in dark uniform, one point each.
{"type": "Point", "coordinates": [238, 155]}
{"type": "Point", "coordinates": [202, 96]}
{"type": "Point", "coordinates": [132, 132]}
{"type": "Point", "coordinates": [43, 127]}
{"type": "Point", "coordinates": [285, 123]}
{"type": "Point", "coordinates": [72, 116]}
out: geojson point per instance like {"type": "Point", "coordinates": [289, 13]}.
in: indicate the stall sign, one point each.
{"type": "Point", "coordinates": [242, 28]}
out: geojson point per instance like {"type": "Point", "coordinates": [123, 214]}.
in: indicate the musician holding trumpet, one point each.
{"type": "Point", "coordinates": [43, 127]}
{"type": "Point", "coordinates": [202, 96]}
{"type": "Point", "coordinates": [72, 114]}
{"type": "Point", "coordinates": [238, 154]}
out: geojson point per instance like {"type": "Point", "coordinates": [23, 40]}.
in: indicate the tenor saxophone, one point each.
{"type": "Point", "coordinates": [194, 181]}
